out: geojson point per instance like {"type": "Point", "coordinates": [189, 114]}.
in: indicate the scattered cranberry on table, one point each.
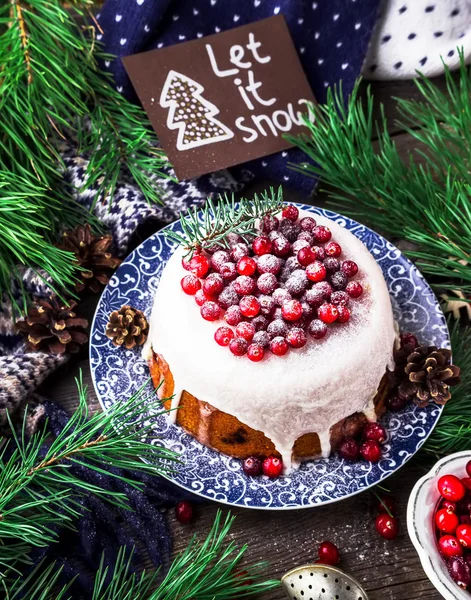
{"type": "Point", "coordinates": [387, 526]}
{"type": "Point", "coordinates": [184, 512]}
{"type": "Point", "coordinates": [328, 554]}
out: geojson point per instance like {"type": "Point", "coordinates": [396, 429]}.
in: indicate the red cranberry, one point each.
{"type": "Point", "coordinates": [396, 403]}
{"type": "Point", "coordinates": [297, 282]}
{"type": "Point", "coordinates": [255, 352]}
{"type": "Point", "coordinates": [296, 337]}
{"type": "Point", "coordinates": [450, 506]}
{"type": "Point", "coordinates": [213, 284]}
{"type": "Point", "coordinates": [370, 451]}
{"type": "Point", "coordinates": [218, 259]}
{"type": "Point", "coordinates": [324, 287]}
{"type": "Point", "coordinates": [279, 346]}
{"type": "Point", "coordinates": [316, 271]}
{"type": "Point", "coordinates": [466, 481]}
{"type": "Point", "coordinates": [331, 264]}
{"type": "Point", "coordinates": [338, 280]}
{"type": "Point", "coordinates": [223, 336]}
{"type": "Point", "coordinates": [228, 271]}
{"type": "Point", "coordinates": [252, 466]}
{"type": "Point", "coordinates": [245, 330]}
{"type": "Point", "coordinates": [281, 246]}
{"type": "Point", "coordinates": [451, 488]}
{"type": "Point", "coordinates": [446, 521]}
{"type": "Point", "coordinates": [269, 223]}
{"type": "Point", "coordinates": [238, 346]}
{"type": "Point", "coordinates": [228, 297]}
{"type": "Point", "coordinates": [306, 256]}
{"type": "Point", "coordinates": [340, 298]}
{"type": "Point", "coordinates": [463, 534]}
{"type": "Point", "coordinates": [186, 264]}
{"type": "Point", "coordinates": [261, 338]}
{"type": "Point", "coordinates": [307, 310]}
{"type": "Point", "coordinates": [290, 212]}
{"type": "Point", "coordinates": [233, 315]}
{"type": "Point", "coordinates": [460, 571]}
{"type": "Point", "coordinates": [244, 285]}
{"type": "Point", "coordinates": [344, 314]}
{"type": "Point", "coordinates": [199, 265]}
{"type": "Point", "coordinates": [333, 249]}
{"type": "Point", "coordinates": [319, 252]}
{"type": "Point", "coordinates": [267, 304]}
{"type": "Point", "coordinates": [407, 339]}
{"type": "Point", "coordinates": [328, 554]}
{"type": "Point", "coordinates": [292, 310]}
{"type": "Point", "coordinates": [246, 266]}
{"type": "Point", "coordinates": [190, 284]}
{"type": "Point", "coordinates": [210, 311]}
{"type": "Point", "coordinates": [449, 546]}
{"type": "Point", "coordinates": [200, 298]}
{"type": "Point", "coordinates": [314, 297]}
{"type": "Point", "coordinates": [261, 245]}
{"type": "Point", "coordinates": [317, 329]}
{"type": "Point", "coordinates": [321, 234]}
{"type": "Point", "coordinates": [354, 289]}
{"type": "Point", "coordinates": [374, 431]}
{"type": "Point", "coordinates": [184, 512]}
{"type": "Point", "coordinates": [268, 263]}
{"type": "Point", "coordinates": [328, 313]}
{"type": "Point", "coordinates": [349, 267]}
{"type": "Point", "coordinates": [272, 466]}
{"type": "Point", "coordinates": [468, 468]}
{"type": "Point", "coordinates": [277, 328]}
{"type": "Point", "coordinates": [385, 504]}
{"type": "Point", "coordinates": [267, 283]}
{"type": "Point", "coordinates": [307, 223]}
{"type": "Point", "coordinates": [249, 306]}
{"type": "Point", "coordinates": [260, 322]}
{"type": "Point", "coordinates": [289, 229]}
{"type": "Point", "coordinates": [387, 526]}
{"type": "Point", "coordinates": [349, 449]}
{"type": "Point", "coordinates": [238, 251]}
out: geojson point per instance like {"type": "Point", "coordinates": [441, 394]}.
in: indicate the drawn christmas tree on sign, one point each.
{"type": "Point", "coordinates": [190, 113]}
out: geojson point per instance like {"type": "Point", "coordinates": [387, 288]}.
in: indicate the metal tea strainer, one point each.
{"type": "Point", "coordinates": [321, 582]}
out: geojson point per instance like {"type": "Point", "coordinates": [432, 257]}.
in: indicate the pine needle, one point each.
{"type": "Point", "coordinates": [423, 199]}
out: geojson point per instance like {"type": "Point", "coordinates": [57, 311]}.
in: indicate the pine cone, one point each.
{"type": "Point", "coordinates": [127, 327]}
{"type": "Point", "coordinates": [96, 264]}
{"type": "Point", "coordinates": [52, 326]}
{"type": "Point", "coordinates": [429, 376]}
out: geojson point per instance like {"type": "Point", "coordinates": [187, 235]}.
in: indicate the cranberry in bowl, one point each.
{"type": "Point", "coordinates": [437, 522]}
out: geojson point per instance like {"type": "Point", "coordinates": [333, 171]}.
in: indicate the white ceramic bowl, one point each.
{"type": "Point", "coordinates": [420, 510]}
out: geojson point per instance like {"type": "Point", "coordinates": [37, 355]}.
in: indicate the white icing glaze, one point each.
{"type": "Point", "coordinates": [308, 389]}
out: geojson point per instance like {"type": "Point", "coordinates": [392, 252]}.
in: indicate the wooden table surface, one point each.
{"type": "Point", "coordinates": [389, 570]}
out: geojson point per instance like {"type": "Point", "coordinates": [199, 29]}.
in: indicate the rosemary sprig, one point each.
{"type": "Point", "coordinates": [209, 226]}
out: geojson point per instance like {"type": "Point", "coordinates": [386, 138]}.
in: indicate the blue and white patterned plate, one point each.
{"type": "Point", "coordinates": [117, 373]}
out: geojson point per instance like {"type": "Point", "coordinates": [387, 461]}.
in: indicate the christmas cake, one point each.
{"type": "Point", "coordinates": [280, 346]}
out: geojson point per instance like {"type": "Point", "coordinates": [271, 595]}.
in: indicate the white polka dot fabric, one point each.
{"type": "Point", "coordinates": [415, 35]}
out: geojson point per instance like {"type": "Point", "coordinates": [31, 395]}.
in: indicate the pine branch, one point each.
{"type": "Point", "coordinates": [209, 226]}
{"type": "Point", "coordinates": [38, 482]}
{"type": "Point", "coordinates": [426, 204]}
{"type": "Point", "coordinates": [52, 90]}
{"type": "Point", "coordinates": [453, 432]}
{"type": "Point", "coordinates": [211, 570]}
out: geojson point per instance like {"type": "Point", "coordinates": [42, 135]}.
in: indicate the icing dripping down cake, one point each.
{"type": "Point", "coordinates": [299, 404]}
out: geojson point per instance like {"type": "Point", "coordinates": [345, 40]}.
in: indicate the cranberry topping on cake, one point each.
{"type": "Point", "coordinates": [286, 287]}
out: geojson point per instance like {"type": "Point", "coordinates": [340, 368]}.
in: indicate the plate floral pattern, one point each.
{"type": "Point", "coordinates": [117, 373]}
